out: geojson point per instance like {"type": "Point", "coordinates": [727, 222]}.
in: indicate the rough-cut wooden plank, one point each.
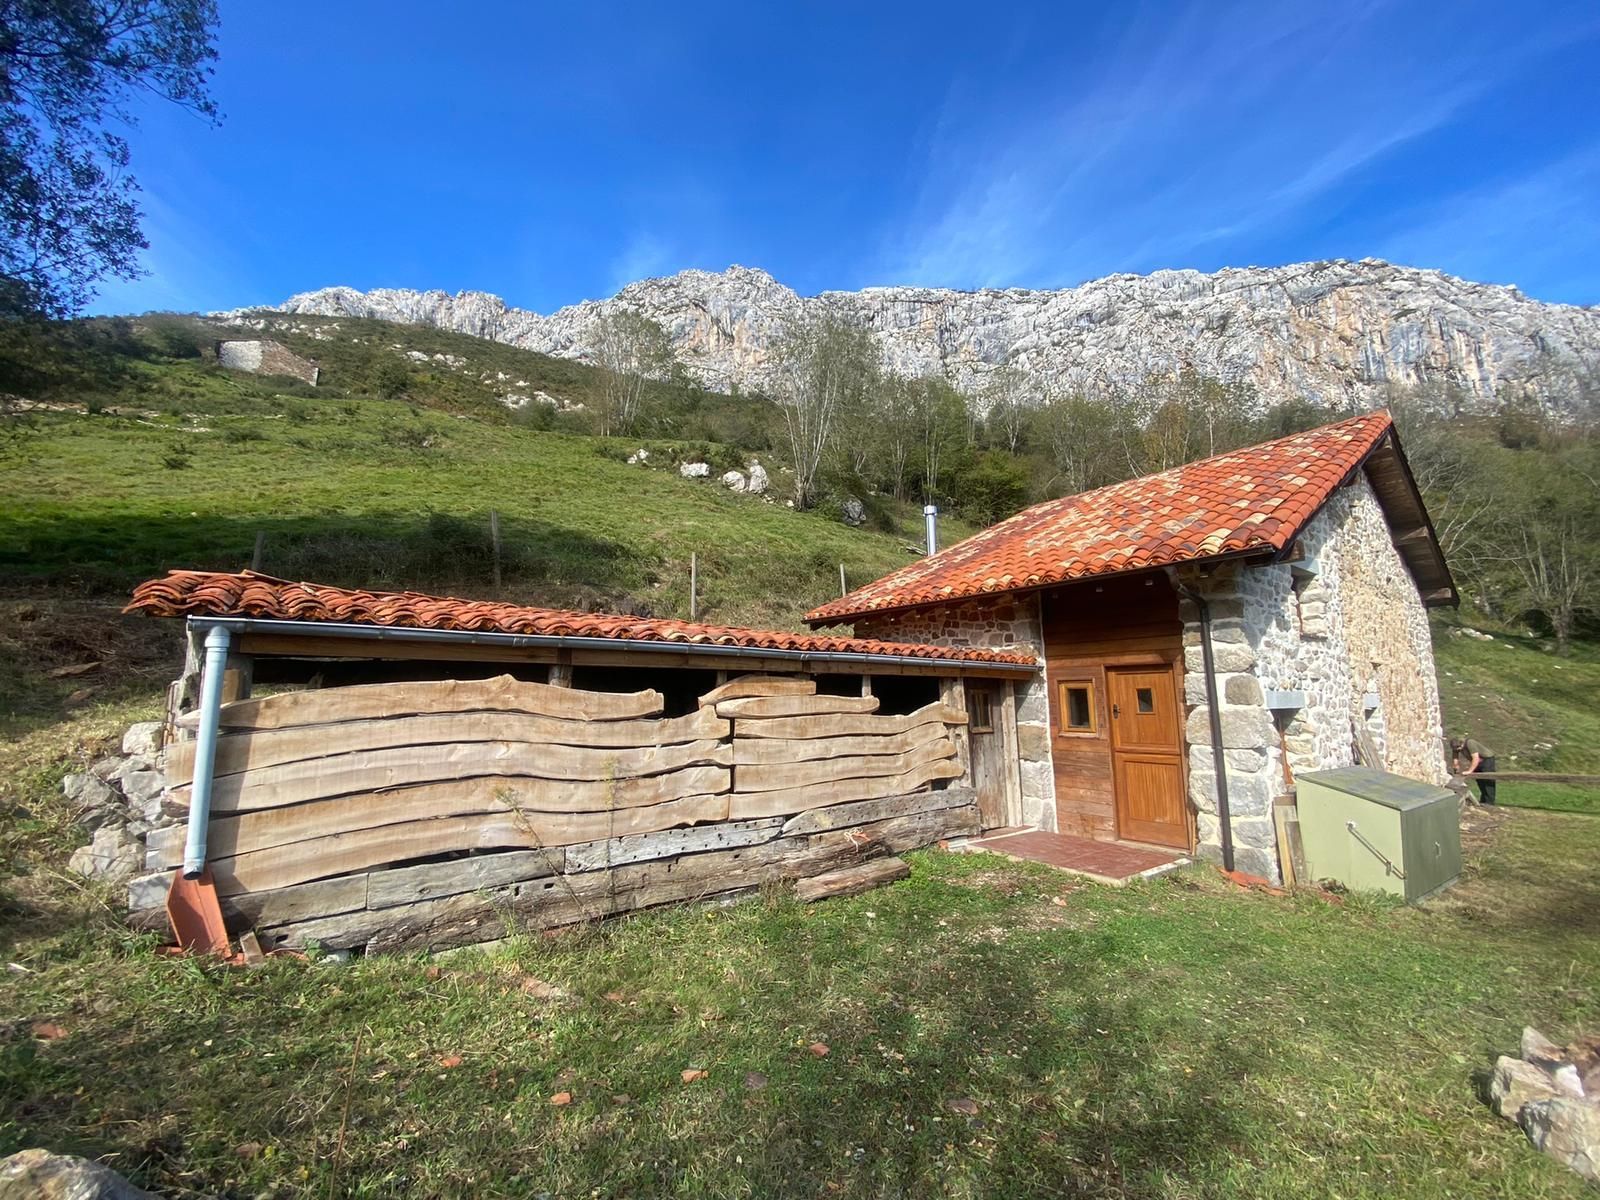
{"type": "Point", "coordinates": [744, 686]}
{"type": "Point", "coordinates": [953, 694]}
{"type": "Point", "coordinates": [543, 903]}
{"type": "Point", "coordinates": [429, 881]}
{"type": "Point", "coordinates": [775, 776]}
{"type": "Point", "coordinates": [764, 707]}
{"type": "Point", "coordinates": [299, 902]}
{"type": "Point", "coordinates": [749, 752]}
{"type": "Point", "coordinates": [843, 791]}
{"type": "Point", "coordinates": [847, 725]}
{"type": "Point", "coordinates": [503, 693]}
{"type": "Point", "coordinates": [851, 880]}
{"type": "Point", "coordinates": [267, 748]}
{"type": "Point", "coordinates": [617, 852]}
{"type": "Point", "coordinates": [861, 812]}
{"type": "Point", "coordinates": [347, 774]}
{"type": "Point", "coordinates": [268, 827]}
{"type": "Point", "coordinates": [362, 849]}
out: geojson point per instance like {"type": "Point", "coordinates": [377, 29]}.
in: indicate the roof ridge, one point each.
{"type": "Point", "coordinates": [1134, 524]}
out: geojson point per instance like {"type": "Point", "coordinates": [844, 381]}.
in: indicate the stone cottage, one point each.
{"type": "Point", "coordinates": [1204, 634]}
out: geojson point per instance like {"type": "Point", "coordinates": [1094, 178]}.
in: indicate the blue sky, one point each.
{"type": "Point", "coordinates": [552, 153]}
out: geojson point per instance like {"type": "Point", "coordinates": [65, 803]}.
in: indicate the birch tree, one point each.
{"type": "Point", "coordinates": [631, 350]}
{"type": "Point", "coordinates": [823, 368]}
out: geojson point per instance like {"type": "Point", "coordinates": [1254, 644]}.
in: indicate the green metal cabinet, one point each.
{"type": "Point", "coordinates": [1374, 831]}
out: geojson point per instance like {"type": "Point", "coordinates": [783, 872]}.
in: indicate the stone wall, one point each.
{"type": "Point", "coordinates": [1342, 625]}
{"type": "Point", "coordinates": [267, 358]}
{"type": "Point", "coordinates": [997, 623]}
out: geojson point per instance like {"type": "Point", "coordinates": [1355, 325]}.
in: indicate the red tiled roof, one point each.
{"type": "Point", "coordinates": [248, 594]}
{"type": "Point", "coordinates": [1257, 498]}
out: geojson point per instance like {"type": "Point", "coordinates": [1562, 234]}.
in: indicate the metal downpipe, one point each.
{"type": "Point", "coordinates": [1219, 758]}
{"type": "Point", "coordinates": [218, 638]}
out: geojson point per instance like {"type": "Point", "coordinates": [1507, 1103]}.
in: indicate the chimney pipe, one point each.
{"type": "Point", "coordinates": [930, 513]}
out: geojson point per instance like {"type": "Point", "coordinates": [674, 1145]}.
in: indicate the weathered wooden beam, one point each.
{"type": "Point", "coordinates": [429, 881]}
{"type": "Point", "coordinates": [749, 751]}
{"type": "Point", "coordinates": [796, 706]}
{"type": "Point", "coordinates": [743, 687]}
{"type": "Point", "coordinates": [851, 880]}
{"type": "Point", "coordinates": [786, 801]}
{"type": "Point", "coordinates": [541, 903]}
{"type": "Point", "coordinates": [770, 777]}
{"type": "Point", "coordinates": [847, 724]}
{"type": "Point", "coordinates": [864, 812]}
{"type": "Point", "coordinates": [503, 693]}
{"type": "Point", "coordinates": [357, 773]}
{"type": "Point", "coordinates": [362, 849]}
{"type": "Point", "coordinates": [669, 843]}
{"type": "Point", "coordinates": [272, 747]}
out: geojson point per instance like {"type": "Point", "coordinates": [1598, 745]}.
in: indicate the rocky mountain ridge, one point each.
{"type": "Point", "coordinates": [1335, 332]}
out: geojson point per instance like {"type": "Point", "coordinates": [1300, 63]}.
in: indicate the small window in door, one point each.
{"type": "Point", "coordinates": [1077, 708]}
{"type": "Point", "coordinates": [1145, 698]}
{"type": "Point", "coordinates": [980, 717]}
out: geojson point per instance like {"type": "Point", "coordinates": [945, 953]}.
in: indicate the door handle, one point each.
{"type": "Point", "coordinates": [1116, 710]}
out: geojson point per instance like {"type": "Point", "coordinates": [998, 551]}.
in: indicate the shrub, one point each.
{"type": "Point", "coordinates": [178, 457]}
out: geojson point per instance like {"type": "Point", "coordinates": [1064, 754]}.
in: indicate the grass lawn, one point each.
{"type": "Point", "coordinates": [1537, 710]}
{"type": "Point", "coordinates": [993, 1029]}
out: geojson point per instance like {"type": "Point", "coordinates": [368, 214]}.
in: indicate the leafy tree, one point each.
{"type": "Point", "coordinates": [631, 350]}
{"type": "Point", "coordinates": [68, 210]}
{"type": "Point", "coordinates": [390, 378]}
{"type": "Point", "coordinates": [991, 487]}
{"type": "Point", "coordinates": [1010, 397]}
{"type": "Point", "coordinates": [824, 368]}
{"type": "Point", "coordinates": [941, 417]}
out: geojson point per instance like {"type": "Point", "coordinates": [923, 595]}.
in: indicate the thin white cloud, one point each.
{"type": "Point", "coordinates": [1191, 129]}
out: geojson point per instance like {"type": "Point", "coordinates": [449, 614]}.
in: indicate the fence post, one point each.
{"type": "Point", "coordinates": [694, 585]}
{"type": "Point", "coordinates": [842, 589]}
{"type": "Point", "coordinates": [261, 545]}
{"type": "Point", "coordinates": [494, 543]}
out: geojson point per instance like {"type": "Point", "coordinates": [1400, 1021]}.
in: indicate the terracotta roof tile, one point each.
{"type": "Point", "coordinates": [248, 594]}
{"type": "Point", "coordinates": [1257, 498]}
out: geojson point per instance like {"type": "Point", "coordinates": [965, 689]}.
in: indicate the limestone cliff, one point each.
{"type": "Point", "coordinates": [1333, 332]}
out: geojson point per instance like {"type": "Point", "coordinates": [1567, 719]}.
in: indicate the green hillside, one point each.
{"type": "Point", "coordinates": [139, 453]}
{"type": "Point", "coordinates": [1536, 709]}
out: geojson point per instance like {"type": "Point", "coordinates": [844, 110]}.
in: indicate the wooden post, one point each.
{"type": "Point", "coordinates": [866, 685]}
{"type": "Point", "coordinates": [842, 589]}
{"type": "Point", "coordinates": [261, 545]}
{"type": "Point", "coordinates": [694, 585]}
{"type": "Point", "coordinates": [561, 670]}
{"type": "Point", "coordinates": [494, 543]}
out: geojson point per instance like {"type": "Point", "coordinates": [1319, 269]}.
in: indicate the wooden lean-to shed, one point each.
{"type": "Point", "coordinates": [395, 771]}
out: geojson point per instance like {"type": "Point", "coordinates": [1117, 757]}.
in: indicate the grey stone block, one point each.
{"type": "Point", "coordinates": [1242, 728]}
{"type": "Point", "coordinates": [143, 738]}
{"type": "Point", "coordinates": [1241, 689]}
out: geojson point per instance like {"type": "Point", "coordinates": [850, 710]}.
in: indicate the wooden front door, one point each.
{"type": "Point", "coordinates": [988, 769]}
{"type": "Point", "coordinates": [1147, 756]}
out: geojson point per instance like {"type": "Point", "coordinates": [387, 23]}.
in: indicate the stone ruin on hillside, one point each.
{"type": "Point", "coordinates": [266, 357]}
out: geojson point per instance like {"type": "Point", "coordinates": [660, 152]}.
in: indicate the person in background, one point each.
{"type": "Point", "coordinates": [1480, 761]}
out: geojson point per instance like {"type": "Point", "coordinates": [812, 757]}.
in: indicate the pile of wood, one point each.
{"type": "Point", "coordinates": [420, 815]}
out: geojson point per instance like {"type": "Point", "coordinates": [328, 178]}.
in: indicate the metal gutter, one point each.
{"type": "Point", "coordinates": [545, 641]}
{"type": "Point", "coordinates": [218, 638]}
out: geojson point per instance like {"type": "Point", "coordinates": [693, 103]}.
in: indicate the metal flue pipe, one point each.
{"type": "Point", "coordinates": [218, 638]}
{"type": "Point", "coordinates": [930, 514]}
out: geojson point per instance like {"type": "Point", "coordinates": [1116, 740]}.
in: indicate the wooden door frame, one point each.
{"type": "Point", "coordinates": [1150, 663]}
{"type": "Point", "coordinates": [1008, 750]}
